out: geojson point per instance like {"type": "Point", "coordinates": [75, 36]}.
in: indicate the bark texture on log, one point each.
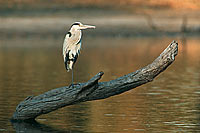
{"type": "Point", "coordinates": [54, 99]}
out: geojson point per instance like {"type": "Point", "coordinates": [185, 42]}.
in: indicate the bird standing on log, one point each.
{"type": "Point", "coordinates": [72, 45]}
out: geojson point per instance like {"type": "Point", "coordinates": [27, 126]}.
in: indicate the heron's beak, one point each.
{"type": "Point", "coordinates": [86, 27]}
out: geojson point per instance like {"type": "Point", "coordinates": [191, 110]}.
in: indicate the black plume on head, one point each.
{"type": "Point", "coordinates": [76, 23]}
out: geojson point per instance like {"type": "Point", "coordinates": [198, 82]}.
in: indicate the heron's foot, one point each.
{"type": "Point", "coordinates": [72, 85]}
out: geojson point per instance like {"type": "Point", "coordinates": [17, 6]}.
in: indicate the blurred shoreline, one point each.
{"type": "Point", "coordinates": [125, 25]}
{"type": "Point", "coordinates": [127, 19]}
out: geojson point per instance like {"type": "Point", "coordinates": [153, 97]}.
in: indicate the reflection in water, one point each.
{"type": "Point", "coordinates": [170, 103]}
{"type": "Point", "coordinates": [33, 127]}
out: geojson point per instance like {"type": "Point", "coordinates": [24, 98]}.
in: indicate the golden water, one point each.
{"type": "Point", "coordinates": [171, 103]}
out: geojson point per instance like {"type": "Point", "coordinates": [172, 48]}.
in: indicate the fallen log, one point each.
{"type": "Point", "coordinates": [34, 106]}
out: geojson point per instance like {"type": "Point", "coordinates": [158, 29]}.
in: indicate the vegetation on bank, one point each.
{"type": "Point", "coordinates": [53, 6]}
{"type": "Point", "coordinates": [178, 4]}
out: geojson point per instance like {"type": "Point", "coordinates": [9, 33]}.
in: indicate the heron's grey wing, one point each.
{"type": "Point", "coordinates": [66, 50]}
{"type": "Point", "coordinates": [71, 50]}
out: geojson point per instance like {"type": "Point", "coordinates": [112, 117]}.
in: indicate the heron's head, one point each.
{"type": "Point", "coordinates": [80, 26]}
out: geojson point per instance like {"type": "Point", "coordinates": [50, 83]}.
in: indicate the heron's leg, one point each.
{"type": "Point", "coordinates": [72, 78]}
{"type": "Point", "coordinates": [72, 84]}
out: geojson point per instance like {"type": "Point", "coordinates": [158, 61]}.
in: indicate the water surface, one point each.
{"type": "Point", "coordinates": [31, 66]}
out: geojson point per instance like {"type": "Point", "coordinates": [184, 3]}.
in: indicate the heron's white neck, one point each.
{"type": "Point", "coordinates": [75, 32]}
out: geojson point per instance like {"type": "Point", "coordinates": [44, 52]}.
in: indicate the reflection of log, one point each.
{"type": "Point", "coordinates": [52, 100]}
{"type": "Point", "coordinates": [34, 127]}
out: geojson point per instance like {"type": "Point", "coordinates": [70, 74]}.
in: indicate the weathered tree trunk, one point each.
{"type": "Point", "coordinates": [54, 99]}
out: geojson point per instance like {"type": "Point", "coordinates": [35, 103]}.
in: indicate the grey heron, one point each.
{"type": "Point", "coordinates": [72, 45]}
